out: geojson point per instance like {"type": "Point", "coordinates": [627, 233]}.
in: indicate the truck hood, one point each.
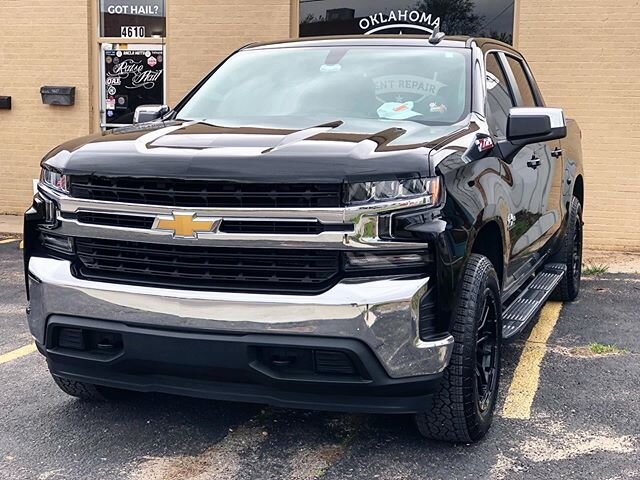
{"type": "Point", "coordinates": [258, 151]}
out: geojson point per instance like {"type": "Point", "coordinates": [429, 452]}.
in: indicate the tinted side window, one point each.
{"type": "Point", "coordinates": [499, 97]}
{"type": "Point", "coordinates": [522, 79]}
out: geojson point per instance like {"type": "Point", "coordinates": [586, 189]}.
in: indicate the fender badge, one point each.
{"type": "Point", "coordinates": [484, 144]}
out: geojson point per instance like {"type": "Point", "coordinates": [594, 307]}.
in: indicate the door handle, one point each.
{"type": "Point", "coordinates": [534, 163]}
{"type": "Point", "coordinates": [557, 153]}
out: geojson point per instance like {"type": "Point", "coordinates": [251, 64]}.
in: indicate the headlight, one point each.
{"type": "Point", "coordinates": [387, 190]}
{"type": "Point", "coordinates": [54, 179]}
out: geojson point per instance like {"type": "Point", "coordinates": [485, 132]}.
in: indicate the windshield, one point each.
{"type": "Point", "coordinates": [420, 84]}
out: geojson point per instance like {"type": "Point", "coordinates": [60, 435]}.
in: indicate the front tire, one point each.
{"type": "Point", "coordinates": [462, 409]}
{"type": "Point", "coordinates": [88, 391]}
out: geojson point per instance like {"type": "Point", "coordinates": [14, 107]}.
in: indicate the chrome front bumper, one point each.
{"type": "Point", "coordinates": [383, 314]}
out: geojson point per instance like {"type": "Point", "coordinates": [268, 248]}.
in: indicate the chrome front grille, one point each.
{"type": "Point", "coordinates": [125, 221]}
{"type": "Point", "coordinates": [359, 227]}
{"type": "Point", "coordinates": [281, 227]}
{"type": "Point", "coordinates": [239, 226]}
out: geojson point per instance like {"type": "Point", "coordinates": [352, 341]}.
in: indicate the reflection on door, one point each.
{"type": "Point", "coordinates": [532, 176]}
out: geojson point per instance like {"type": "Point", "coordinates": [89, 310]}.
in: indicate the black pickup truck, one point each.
{"type": "Point", "coordinates": [350, 224]}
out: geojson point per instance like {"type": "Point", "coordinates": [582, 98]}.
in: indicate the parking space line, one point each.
{"type": "Point", "coordinates": [526, 377]}
{"type": "Point", "coordinates": [8, 240]}
{"type": "Point", "coordinates": [17, 353]}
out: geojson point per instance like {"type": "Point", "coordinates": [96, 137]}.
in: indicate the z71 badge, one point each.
{"type": "Point", "coordinates": [484, 144]}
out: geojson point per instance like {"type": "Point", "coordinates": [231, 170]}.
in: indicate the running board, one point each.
{"type": "Point", "coordinates": [523, 309]}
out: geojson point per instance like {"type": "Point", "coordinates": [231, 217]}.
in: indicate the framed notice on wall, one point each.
{"type": "Point", "coordinates": [131, 76]}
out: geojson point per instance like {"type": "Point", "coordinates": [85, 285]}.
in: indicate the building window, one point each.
{"type": "Point", "coordinates": [132, 76]}
{"type": "Point", "coordinates": [481, 18]}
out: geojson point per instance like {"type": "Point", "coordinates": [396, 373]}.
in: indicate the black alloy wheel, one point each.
{"type": "Point", "coordinates": [570, 255]}
{"type": "Point", "coordinates": [487, 355]}
{"type": "Point", "coordinates": [577, 250]}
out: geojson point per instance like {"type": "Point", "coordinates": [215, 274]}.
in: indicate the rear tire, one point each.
{"type": "Point", "coordinates": [462, 409]}
{"type": "Point", "coordinates": [570, 254]}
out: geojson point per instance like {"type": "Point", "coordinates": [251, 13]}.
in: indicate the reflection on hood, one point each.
{"type": "Point", "coordinates": [407, 133]}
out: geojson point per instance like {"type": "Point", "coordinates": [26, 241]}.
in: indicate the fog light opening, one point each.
{"type": "Point", "coordinates": [364, 260]}
{"type": "Point", "coordinates": [57, 243]}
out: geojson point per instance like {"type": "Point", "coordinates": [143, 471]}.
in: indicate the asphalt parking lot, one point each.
{"type": "Point", "coordinates": [566, 411]}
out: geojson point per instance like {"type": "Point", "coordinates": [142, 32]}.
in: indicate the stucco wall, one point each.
{"type": "Point", "coordinates": [585, 56]}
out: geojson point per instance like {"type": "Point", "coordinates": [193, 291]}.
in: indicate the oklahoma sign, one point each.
{"type": "Point", "coordinates": [399, 19]}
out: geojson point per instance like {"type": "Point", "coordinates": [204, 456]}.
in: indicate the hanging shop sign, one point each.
{"type": "Point", "coordinates": [132, 18]}
{"type": "Point", "coordinates": [131, 78]}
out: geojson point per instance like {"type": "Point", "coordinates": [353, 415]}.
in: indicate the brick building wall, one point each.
{"type": "Point", "coordinates": [202, 33]}
{"type": "Point", "coordinates": [585, 55]}
{"type": "Point", "coordinates": [41, 43]}
{"type": "Point", "coordinates": [52, 43]}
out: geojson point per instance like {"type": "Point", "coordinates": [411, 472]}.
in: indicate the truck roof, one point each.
{"type": "Point", "coordinates": [378, 40]}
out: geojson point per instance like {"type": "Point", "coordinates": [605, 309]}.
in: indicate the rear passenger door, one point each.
{"type": "Point", "coordinates": [547, 190]}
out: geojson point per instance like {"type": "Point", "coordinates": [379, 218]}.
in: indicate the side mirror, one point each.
{"type": "Point", "coordinates": [148, 113]}
{"type": "Point", "coordinates": [532, 125]}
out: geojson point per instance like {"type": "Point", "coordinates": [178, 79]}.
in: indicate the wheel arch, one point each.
{"type": "Point", "coordinates": [490, 242]}
{"type": "Point", "coordinates": [578, 189]}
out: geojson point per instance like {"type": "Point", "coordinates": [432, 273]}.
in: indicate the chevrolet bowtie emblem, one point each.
{"type": "Point", "coordinates": [185, 225]}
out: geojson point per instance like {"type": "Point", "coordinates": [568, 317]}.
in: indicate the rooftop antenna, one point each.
{"type": "Point", "coordinates": [436, 36]}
